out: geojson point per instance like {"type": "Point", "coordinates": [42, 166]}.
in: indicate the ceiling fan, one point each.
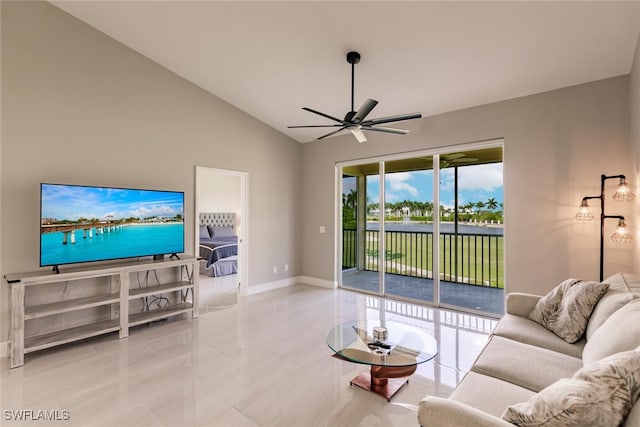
{"type": "Point", "coordinates": [453, 159]}
{"type": "Point", "coordinates": [354, 121]}
{"type": "Point", "coordinates": [456, 159]}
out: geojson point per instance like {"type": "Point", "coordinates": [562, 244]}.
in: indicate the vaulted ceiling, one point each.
{"type": "Point", "coordinates": [270, 59]}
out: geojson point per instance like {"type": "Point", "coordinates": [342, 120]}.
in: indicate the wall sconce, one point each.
{"type": "Point", "coordinates": [622, 234]}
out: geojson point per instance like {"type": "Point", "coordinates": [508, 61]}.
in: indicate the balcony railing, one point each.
{"type": "Point", "coordinates": [474, 259]}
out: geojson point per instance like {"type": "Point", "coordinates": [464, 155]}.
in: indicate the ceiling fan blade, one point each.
{"type": "Point", "coordinates": [322, 114]}
{"type": "Point", "coordinates": [452, 156]}
{"type": "Point", "coordinates": [333, 133]}
{"type": "Point", "coordinates": [359, 135]}
{"type": "Point", "coordinates": [364, 110]}
{"type": "Point", "coordinates": [465, 160]}
{"type": "Point", "coordinates": [390, 119]}
{"type": "Point", "coordinates": [313, 126]}
{"type": "Point", "coordinates": [385, 129]}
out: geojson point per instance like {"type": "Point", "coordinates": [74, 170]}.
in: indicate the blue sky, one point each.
{"type": "Point", "coordinates": [476, 183]}
{"type": "Point", "coordinates": [73, 202]}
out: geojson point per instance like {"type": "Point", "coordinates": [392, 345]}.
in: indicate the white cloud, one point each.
{"type": "Point", "coordinates": [397, 187]}
{"type": "Point", "coordinates": [481, 177]}
{"type": "Point", "coordinates": [154, 210]}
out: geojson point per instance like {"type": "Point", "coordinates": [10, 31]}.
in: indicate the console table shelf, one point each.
{"type": "Point", "coordinates": [64, 336]}
{"type": "Point", "coordinates": [170, 287]}
{"type": "Point", "coordinates": [160, 313]}
{"type": "Point", "coordinates": [42, 310]}
{"type": "Point", "coordinates": [117, 299]}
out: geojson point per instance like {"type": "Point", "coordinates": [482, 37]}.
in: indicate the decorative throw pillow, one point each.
{"type": "Point", "coordinates": [204, 232]}
{"type": "Point", "coordinates": [599, 394]}
{"type": "Point", "coordinates": [566, 309]}
{"type": "Point", "coordinates": [567, 402]}
{"type": "Point", "coordinates": [221, 231]}
{"type": "Point", "coordinates": [620, 373]}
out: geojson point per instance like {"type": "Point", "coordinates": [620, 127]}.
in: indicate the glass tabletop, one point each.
{"type": "Point", "coordinates": [400, 345]}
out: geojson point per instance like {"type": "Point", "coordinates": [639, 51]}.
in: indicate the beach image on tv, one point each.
{"type": "Point", "coordinates": [80, 224]}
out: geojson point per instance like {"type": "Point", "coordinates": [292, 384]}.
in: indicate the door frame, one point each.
{"type": "Point", "coordinates": [242, 232]}
{"type": "Point", "coordinates": [436, 153]}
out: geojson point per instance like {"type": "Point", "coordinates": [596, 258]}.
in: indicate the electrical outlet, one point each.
{"type": "Point", "coordinates": [275, 269]}
{"type": "Point", "coordinates": [286, 267]}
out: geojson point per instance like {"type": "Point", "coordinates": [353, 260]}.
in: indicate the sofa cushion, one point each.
{"type": "Point", "coordinates": [529, 332]}
{"type": "Point", "coordinates": [524, 365]}
{"type": "Point", "coordinates": [599, 394]}
{"type": "Point", "coordinates": [489, 394]}
{"type": "Point", "coordinates": [620, 332]}
{"type": "Point", "coordinates": [623, 288]}
{"type": "Point", "coordinates": [566, 309]}
{"type": "Point", "coordinates": [441, 412]}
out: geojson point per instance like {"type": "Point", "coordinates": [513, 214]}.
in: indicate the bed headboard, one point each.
{"type": "Point", "coordinates": [218, 219]}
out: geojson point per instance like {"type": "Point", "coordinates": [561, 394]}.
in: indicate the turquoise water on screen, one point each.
{"type": "Point", "coordinates": [125, 242]}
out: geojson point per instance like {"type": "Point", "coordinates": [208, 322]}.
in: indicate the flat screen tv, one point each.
{"type": "Point", "coordinates": [84, 224]}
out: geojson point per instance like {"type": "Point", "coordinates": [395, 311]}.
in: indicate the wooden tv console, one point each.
{"type": "Point", "coordinates": [118, 296]}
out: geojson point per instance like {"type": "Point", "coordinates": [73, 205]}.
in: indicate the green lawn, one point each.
{"type": "Point", "coordinates": [480, 259]}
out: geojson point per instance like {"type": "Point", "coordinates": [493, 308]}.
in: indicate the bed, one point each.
{"type": "Point", "coordinates": [218, 244]}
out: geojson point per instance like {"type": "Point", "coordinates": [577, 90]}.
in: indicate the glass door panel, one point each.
{"type": "Point", "coordinates": [471, 230]}
{"type": "Point", "coordinates": [360, 227]}
{"type": "Point", "coordinates": [408, 228]}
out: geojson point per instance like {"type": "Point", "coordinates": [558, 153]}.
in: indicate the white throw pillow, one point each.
{"type": "Point", "coordinates": [599, 394]}
{"type": "Point", "coordinates": [566, 309]}
{"type": "Point", "coordinates": [567, 402]}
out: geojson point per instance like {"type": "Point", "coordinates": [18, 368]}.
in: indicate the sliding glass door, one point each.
{"type": "Point", "coordinates": [471, 234]}
{"type": "Point", "coordinates": [361, 227]}
{"type": "Point", "coordinates": [426, 228]}
{"type": "Point", "coordinates": [408, 229]}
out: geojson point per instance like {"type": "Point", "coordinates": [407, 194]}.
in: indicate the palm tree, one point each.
{"type": "Point", "coordinates": [428, 209]}
{"type": "Point", "coordinates": [350, 200]}
{"type": "Point", "coordinates": [492, 204]}
{"type": "Point", "coordinates": [480, 205]}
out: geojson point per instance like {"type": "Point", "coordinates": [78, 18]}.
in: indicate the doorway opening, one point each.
{"type": "Point", "coordinates": [221, 235]}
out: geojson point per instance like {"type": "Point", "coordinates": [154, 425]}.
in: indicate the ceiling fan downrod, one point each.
{"type": "Point", "coordinates": [353, 58]}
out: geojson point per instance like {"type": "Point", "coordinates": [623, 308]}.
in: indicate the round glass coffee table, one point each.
{"type": "Point", "coordinates": [392, 349]}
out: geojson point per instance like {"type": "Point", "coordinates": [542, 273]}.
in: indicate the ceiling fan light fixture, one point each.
{"type": "Point", "coordinates": [359, 135]}
{"type": "Point", "coordinates": [354, 121]}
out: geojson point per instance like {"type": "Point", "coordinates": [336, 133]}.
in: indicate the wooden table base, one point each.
{"type": "Point", "coordinates": [384, 380]}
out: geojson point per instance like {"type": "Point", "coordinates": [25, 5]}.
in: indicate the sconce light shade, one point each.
{"type": "Point", "coordinates": [584, 212]}
{"type": "Point", "coordinates": [623, 192]}
{"type": "Point", "coordinates": [622, 234]}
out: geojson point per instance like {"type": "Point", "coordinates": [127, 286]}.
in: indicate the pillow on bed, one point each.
{"type": "Point", "coordinates": [221, 231]}
{"type": "Point", "coordinates": [204, 232]}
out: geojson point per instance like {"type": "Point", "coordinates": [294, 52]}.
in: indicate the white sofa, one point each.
{"type": "Point", "coordinates": [522, 357]}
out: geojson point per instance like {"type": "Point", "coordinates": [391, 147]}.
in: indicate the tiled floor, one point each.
{"type": "Point", "coordinates": [246, 361]}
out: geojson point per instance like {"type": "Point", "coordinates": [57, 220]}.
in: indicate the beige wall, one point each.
{"type": "Point", "coordinates": [78, 107]}
{"type": "Point", "coordinates": [220, 192]}
{"type": "Point", "coordinates": [634, 115]}
{"type": "Point", "coordinates": [556, 146]}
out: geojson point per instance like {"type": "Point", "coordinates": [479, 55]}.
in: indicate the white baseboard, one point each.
{"type": "Point", "coordinates": [290, 281]}
{"type": "Point", "coordinates": [270, 286]}
{"type": "Point", "coordinates": [318, 282]}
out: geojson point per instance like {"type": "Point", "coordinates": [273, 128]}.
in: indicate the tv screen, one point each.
{"type": "Point", "coordinates": [83, 223]}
